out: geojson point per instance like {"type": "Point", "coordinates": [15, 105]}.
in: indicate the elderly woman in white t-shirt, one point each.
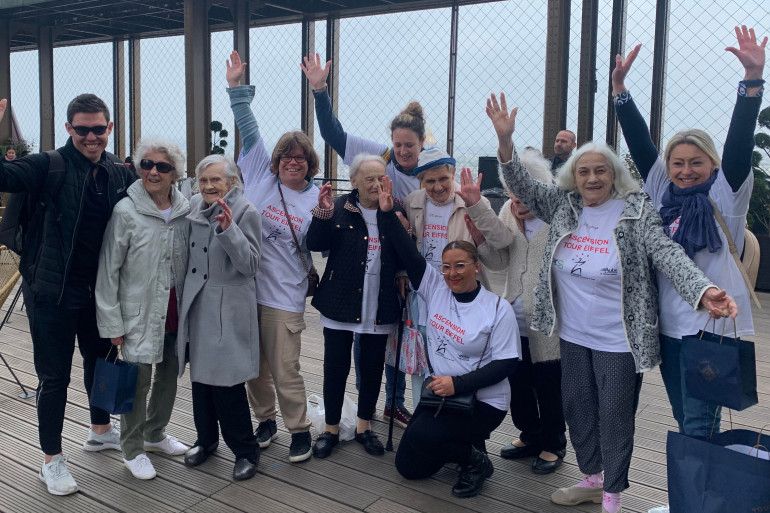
{"type": "Point", "coordinates": [472, 345]}
{"type": "Point", "coordinates": [690, 186]}
{"type": "Point", "coordinates": [605, 240]}
{"type": "Point", "coordinates": [436, 213]}
{"type": "Point", "coordinates": [281, 187]}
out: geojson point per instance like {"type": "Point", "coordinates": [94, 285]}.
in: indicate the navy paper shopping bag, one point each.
{"type": "Point", "coordinates": [114, 386]}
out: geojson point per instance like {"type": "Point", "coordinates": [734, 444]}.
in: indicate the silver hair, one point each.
{"type": "Point", "coordinates": [231, 170]}
{"type": "Point", "coordinates": [359, 160]}
{"type": "Point", "coordinates": [172, 150]}
{"type": "Point", "coordinates": [534, 162]}
{"type": "Point", "coordinates": [623, 183]}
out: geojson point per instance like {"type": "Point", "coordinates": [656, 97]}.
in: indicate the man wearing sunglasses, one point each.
{"type": "Point", "coordinates": [61, 244]}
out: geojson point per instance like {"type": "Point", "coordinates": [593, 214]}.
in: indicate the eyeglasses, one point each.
{"type": "Point", "coordinates": [299, 159]}
{"type": "Point", "coordinates": [82, 131]}
{"type": "Point", "coordinates": [162, 167]}
{"type": "Point", "coordinates": [459, 267]}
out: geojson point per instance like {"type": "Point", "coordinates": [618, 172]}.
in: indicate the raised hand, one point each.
{"type": "Point", "coordinates": [719, 304]}
{"type": "Point", "coordinates": [3, 104]}
{"type": "Point", "coordinates": [751, 54]}
{"type": "Point", "coordinates": [469, 191]}
{"type": "Point", "coordinates": [235, 70]}
{"type": "Point", "coordinates": [315, 73]}
{"type": "Point", "coordinates": [226, 217]}
{"type": "Point", "coordinates": [476, 235]}
{"type": "Point", "coordinates": [386, 194]}
{"type": "Point", "coordinates": [621, 70]}
{"type": "Point", "coordinates": [504, 124]}
{"type": "Point", "coordinates": [325, 199]}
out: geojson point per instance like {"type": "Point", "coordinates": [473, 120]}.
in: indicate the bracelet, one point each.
{"type": "Point", "coordinates": [744, 85]}
{"type": "Point", "coordinates": [320, 90]}
{"type": "Point", "coordinates": [622, 98]}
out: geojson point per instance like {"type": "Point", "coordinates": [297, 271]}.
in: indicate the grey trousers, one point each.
{"type": "Point", "coordinates": [600, 392]}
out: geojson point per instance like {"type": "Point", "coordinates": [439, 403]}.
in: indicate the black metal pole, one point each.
{"type": "Point", "coordinates": [25, 394]}
{"type": "Point", "coordinates": [389, 444]}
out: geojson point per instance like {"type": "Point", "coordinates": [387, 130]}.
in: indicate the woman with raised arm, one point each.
{"type": "Point", "coordinates": [407, 133]}
{"type": "Point", "coordinates": [472, 345]}
{"type": "Point", "coordinates": [605, 238]}
{"type": "Point", "coordinates": [281, 188]}
{"type": "Point", "coordinates": [685, 186]}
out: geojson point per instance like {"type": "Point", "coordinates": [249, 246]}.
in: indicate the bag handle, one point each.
{"type": "Point", "coordinates": [291, 227]}
{"type": "Point", "coordinates": [734, 253]}
{"type": "Point", "coordinates": [758, 444]}
{"type": "Point", "coordinates": [714, 327]}
{"type": "Point", "coordinates": [117, 352]}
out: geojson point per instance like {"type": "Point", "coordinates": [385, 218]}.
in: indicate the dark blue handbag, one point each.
{"type": "Point", "coordinates": [706, 477]}
{"type": "Point", "coordinates": [720, 369]}
{"type": "Point", "coordinates": [114, 386]}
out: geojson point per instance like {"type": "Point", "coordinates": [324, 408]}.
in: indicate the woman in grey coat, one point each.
{"type": "Point", "coordinates": [218, 330]}
{"type": "Point", "coordinates": [605, 239]}
{"type": "Point", "coordinates": [141, 272]}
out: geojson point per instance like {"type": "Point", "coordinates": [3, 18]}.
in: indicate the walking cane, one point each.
{"type": "Point", "coordinates": [25, 394]}
{"type": "Point", "coordinates": [404, 306]}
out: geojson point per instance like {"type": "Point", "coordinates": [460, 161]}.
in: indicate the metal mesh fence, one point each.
{"type": "Point", "coordinates": [25, 99]}
{"type": "Point", "coordinates": [78, 70]}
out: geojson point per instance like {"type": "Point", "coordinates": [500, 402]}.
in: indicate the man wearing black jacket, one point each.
{"type": "Point", "coordinates": [58, 264]}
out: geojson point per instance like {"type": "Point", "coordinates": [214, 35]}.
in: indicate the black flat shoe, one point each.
{"type": "Point", "coordinates": [198, 454]}
{"type": "Point", "coordinates": [513, 452]}
{"type": "Point", "coordinates": [371, 443]}
{"type": "Point", "coordinates": [541, 466]}
{"type": "Point", "coordinates": [244, 469]}
{"type": "Point", "coordinates": [324, 444]}
{"type": "Point", "coordinates": [473, 475]}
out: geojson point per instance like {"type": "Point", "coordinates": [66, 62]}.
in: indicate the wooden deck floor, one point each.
{"type": "Point", "coordinates": [350, 480]}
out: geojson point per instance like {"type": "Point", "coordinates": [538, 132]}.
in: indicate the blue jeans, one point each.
{"type": "Point", "coordinates": [389, 372]}
{"type": "Point", "coordinates": [694, 416]}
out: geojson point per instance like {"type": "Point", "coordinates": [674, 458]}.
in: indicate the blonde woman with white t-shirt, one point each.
{"type": "Point", "coordinates": [605, 239]}
{"type": "Point", "coordinates": [281, 187]}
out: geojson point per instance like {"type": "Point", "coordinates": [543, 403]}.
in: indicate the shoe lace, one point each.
{"type": "Point", "coordinates": [60, 469]}
{"type": "Point", "coordinates": [141, 461]}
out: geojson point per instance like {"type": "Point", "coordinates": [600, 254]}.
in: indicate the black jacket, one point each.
{"type": "Point", "coordinates": [52, 231]}
{"type": "Point", "coordinates": [339, 295]}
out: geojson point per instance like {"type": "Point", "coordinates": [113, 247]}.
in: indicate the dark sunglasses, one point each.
{"type": "Point", "coordinates": [162, 167]}
{"type": "Point", "coordinates": [82, 131]}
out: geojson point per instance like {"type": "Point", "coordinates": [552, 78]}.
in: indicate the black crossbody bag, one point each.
{"type": "Point", "coordinates": [463, 404]}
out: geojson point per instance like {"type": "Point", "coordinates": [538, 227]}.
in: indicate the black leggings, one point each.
{"type": "Point", "coordinates": [429, 442]}
{"type": "Point", "coordinates": [371, 362]}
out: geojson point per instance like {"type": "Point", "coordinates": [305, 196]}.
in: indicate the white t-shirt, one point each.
{"type": "Point", "coordinates": [371, 286]}
{"type": "Point", "coordinates": [588, 281]}
{"type": "Point", "coordinates": [282, 279]}
{"type": "Point", "coordinates": [457, 333]}
{"type": "Point", "coordinates": [532, 226]}
{"type": "Point", "coordinates": [434, 239]}
{"type": "Point", "coordinates": [402, 184]}
{"type": "Point", "coordinates": [677, 318]}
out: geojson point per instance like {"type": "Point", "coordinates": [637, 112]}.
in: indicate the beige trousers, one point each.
{"type": "Point", "coordinates": [279, 347]}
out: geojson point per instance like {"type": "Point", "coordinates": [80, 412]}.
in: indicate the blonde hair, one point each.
{"type": "Point", "coordinates": [697, 138]}
{"type": "Point", "coordinates": [623, 183]}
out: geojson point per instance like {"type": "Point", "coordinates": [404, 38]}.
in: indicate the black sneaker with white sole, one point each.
{"type": "Point", "coordinates": [301, 447]}
{"type": "Point", "coordinates": [266, 432]}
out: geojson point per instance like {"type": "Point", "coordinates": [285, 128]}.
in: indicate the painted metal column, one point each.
{"type": "Point", "coordinates": [452, 95]}
{"type": "Point", "coordinates": [660, 56]}
{"type": "Point", "coordinates": [197, 55]}
{"type": "Point", "coordinates": [556, 72]}
{"type": "Point", "coordinates": [308, 103]}
{"type": "Point", "coordinates": [135, 91]}
{"type": "Point", "coordinates": [332, 52]}
{"type": "Point", "coordinates": [241, 13]}
{"type": "Point", "coordinates": [45, 63]}
{"type": "Point", "coordinates": [587, 92]}
{"type": "Point", "coordinates": [119, 96]}
{"type": "Point", "coordinates": [617, 45]}
{"type": "Point", "coordinates": [5, 78]}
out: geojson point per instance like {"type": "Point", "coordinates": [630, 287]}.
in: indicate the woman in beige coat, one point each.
{"type": "Point", "coordinates": [536, 408]}
{"type": "Point", "coordinates": [218, 330]}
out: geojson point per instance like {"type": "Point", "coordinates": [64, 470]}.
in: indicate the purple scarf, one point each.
{"type": "Point", "coordinates": [697, 227]}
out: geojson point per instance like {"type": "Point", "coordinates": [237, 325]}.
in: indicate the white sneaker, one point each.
{"type": "Point", "coordinates": [57, 478]}
{"type": "Point", "coordinates": [169, 445]}
{"type": "Point", "coordinates": [109, 440]}
{"type": "Point", "coordinates": [141, 467]}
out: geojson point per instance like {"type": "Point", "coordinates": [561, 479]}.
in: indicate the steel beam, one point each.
{"type": "Point", "coordinates": [556, 72]}
{"type": "Point", "coordinates": [119, 96]}
{"type": "Point", "coordinates": [660, 55]}
{"type": "Point", "coordinates": [587, 91]}
{"type": "Point", "coordinates": [45, 64]}
{"type": "Point", "coordinates": [308, 103]}
{"type": "Point", "coordinates": [332, 52]}
{"type": "Point", "coordinates": [197, 42]}
{"type": "Point", "coordinates": [135, 91]}
{"type": "Point", "coordinates": [241, 13]}
{"type": "Point", "coordinates": [5, 78]}
{"type": "Point", "coordinates": [617, 45]}
{"type": "Point", "coordinates": [452, 93]}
